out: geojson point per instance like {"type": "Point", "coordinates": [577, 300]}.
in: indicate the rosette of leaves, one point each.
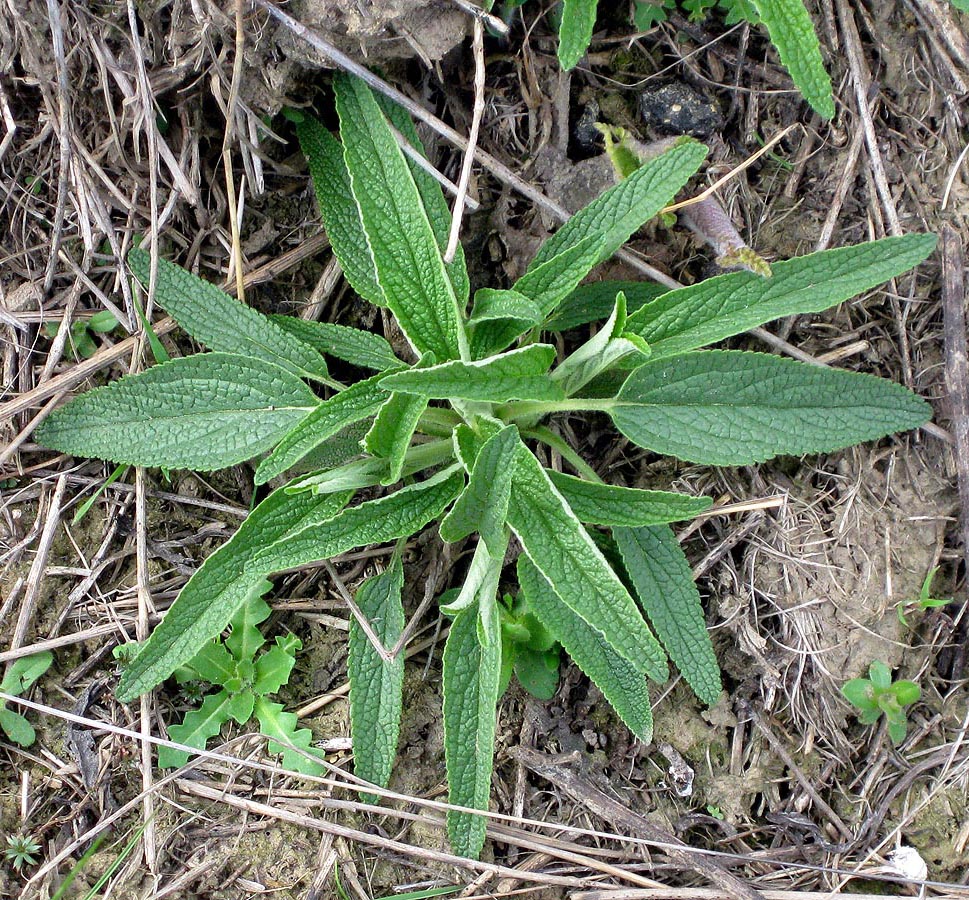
{"type": "Point", "coordinates": [454, 427]}
{"type": "Point", "coordinates": [246, 676]}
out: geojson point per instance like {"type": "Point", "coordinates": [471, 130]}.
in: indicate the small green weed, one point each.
{"type": "Point", "coordinates": [21, 850]}
{"type": "Point", "coordinates": [453, 422]}
{"type": "Point", "coordinates": [878, 695]}
{"type": "Point", "coordinates": [247, 675]}
{"type": "Point", "coordinates": [21, 674]}
{"type": "Point", "coordinates": [82, 330]}
{"type": "Point", "coordinates": [924, 601]}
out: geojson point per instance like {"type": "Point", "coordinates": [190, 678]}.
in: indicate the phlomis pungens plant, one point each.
{"type": "Point", "coordinates": [456, 427]}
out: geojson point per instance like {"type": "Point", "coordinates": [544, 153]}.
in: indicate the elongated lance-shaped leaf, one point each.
{"type": "Point", "coordinates": [396, 515]}
{"type": "Point", "coordinates": [575, 31]}
{"type": "Point", "coordinates": [612, 504]}
{"type": "Point", "coordinates": [517, 374]}
{"type": "Point", "coordinates": [360, 348]}
{"type": "Point", "coordinates": [792, 33]}
{"type": "Point", "coordinates": [663, 581]}
{"type": "Point", "coordinates": [618, 212]}
{"type": "Point", "coordinates": [339, 210]}
{"type": "Point", "coordinates": [481, 583]}
{"type": "Point", "coordinates": [483, 505]}
{"type": "Point", "coordinates": [199, 412]}
{"type": "Point", "coordinates": [491, 305]}
{"type": "Point", "coordinates": [562, 550]}
{"type": "Point", "coordinates": [596, 300]}
{"type": "Point", "coordinates": [392, 430]}
{"type": "Point", "coordinates": [376, 684]}
{"type": "Point", "coordinates": [359, 401]}
{"type": "Point", "coordinates": [405, 253]}
{"type": "Point", "coordinates": [393, 427]}
{"type": "Point", "coordinates": [220, 586]}
{"type": "Point", "coordinates": [472, 667]}
{"type": "Point", "coordinates": [692, 317]}
{"type": "Point", "coordinates": [621, 683]}
{"type": "Point", "coordinates": [732, 408]}
{"type": "Point", "coordinates": [546, 285]}
{"type": "Point", "coordinates": [221, 322]}
{"type": "Point", "coordinates": [435, 204]}
{"type": "Point", "coordinates": [363, 473]}
{"type": "Point", "coordinates": [276, 723]}
{"type": "Point", "coordinates": [198, 727]}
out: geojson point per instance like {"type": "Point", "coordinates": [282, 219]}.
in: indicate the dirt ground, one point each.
{"type": "Point", "coordinates": [115, 124]}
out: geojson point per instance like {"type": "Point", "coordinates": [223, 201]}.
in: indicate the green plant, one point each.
{"type": "Point", "coordinates": [598, 560]}
{"type": "Point", "coordinates": [528, 649]}
{"type": "Point", "coordinates": [18, 679]}
{"type": "Point", "coordinates": [924, 601]}
{"type": "Point", "coordinates": [247, 678]}
{"type": "Point", "coordinates": [788, 24]}
{"type": "Point", "coordinates": [20, 850]}
{"type": "Point", "coordinates": [80, 335]}
{"type": "Point", "coordinates": [878, 695]}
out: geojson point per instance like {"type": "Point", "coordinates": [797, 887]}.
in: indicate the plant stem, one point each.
{"type": "Point", "coordinates": [511, 412]}
{"type": "Point", "coordinates": [551, 439]}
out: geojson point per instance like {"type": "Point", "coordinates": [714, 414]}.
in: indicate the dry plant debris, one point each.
{"type": "Point", "coordinates": [113, 119]}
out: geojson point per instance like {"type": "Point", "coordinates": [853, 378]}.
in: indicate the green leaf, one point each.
{"type": "Point", "coordinates": [435, 204]}
{"type": "Point", "coordinates": [553, 279]}
{"type": "Point", "coordinates": [274, 667]}
{"type": "Point", "coordinates": [880, 675]}
{"type": "Point", "coordinates": [575, 32]}
{"type": "Point", "coordinates": [221, 322]}
{"type": "Point", "coordinates": [663, 582]}
{"type": "Point", "coordinates": [376, 685]}
{"type": "Point", "coordinates": [213, 663]}
{"type": "Point", "coordinates": [245, 638]}
{"type": "Point", "coordinates": [483, 505]}
{"type": "Point", "coordinates": [220, 586]}
{"type": "Point", "coordinates": [906, 692]}
{"type": "Point", "coordinates": [732, 408]}
{"type": "Point", "coordinates": [594, 302]}
{"type": "Point", "coordinates": [367, 472]}
{"type": "Point", "coordinates": [858, 692]}
{"type": "Point", "coordinates": [563, 552]}
{"type": "Point", "coordinates": [396, 515]}
{"type": "Point", "coordinates": [279, 725]}
{"type": "Point", "coordinates": [518, 374]}
{"type": "Point", "coordinates": [619, 211]}
{"type": "Point", "coordinates": [393, 427]}
{"type": "Point", "coordinates": [608, 504]}
{"type": "Point", "coordinates": [241, 705]}
{"type": "Point", "coordinates": [200, 412]}
{"type": "Point", "coordinates": [341, 216]}
{"type": "Point", "coordinates": [359, 401]}
{"type": "Point", "coordinates": [961, 4]}
{"type": "Point", "coordinates": [23, 672]}
{"type": "Point", "coordinates": [471, 675]}
{"type": "Point", "coordinates": [494, 305]}
{"type": "Point", "coordinates": [16, 727]}
{"type": "Point", "coordinates": [538, 673]}
{"type": "Point", "coordinates": [897, 728]}
{"type": "Point", "coordinates": [198, 727]}
{"type": "Point", "coordinates": [622, 683]}
{"type": "Point", "coordinates": [792, 33]}
{"type": "Point", "coordinates": [405, 253]}
{"type": "Point", "coordinates": [359, 348]}
{"type": "Point", "coordinates": [703, 313]}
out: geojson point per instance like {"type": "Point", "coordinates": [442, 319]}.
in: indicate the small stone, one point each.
{"type": "Point", "coordinates": [586, 140]}
{"type": "Point", "coordinates": [677, 108]}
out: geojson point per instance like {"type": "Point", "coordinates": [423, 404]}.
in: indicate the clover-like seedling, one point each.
{"type": "Point", "coordinates": [247, 676]}
{"type": "Point", "coordinates": [17, 680]}
{"type": "Point", "coordinates": [458, 425]}
{"type": "Point", "coordinates": [877, 696]}
{"type": "Point", "coordinates": [80, 335]}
